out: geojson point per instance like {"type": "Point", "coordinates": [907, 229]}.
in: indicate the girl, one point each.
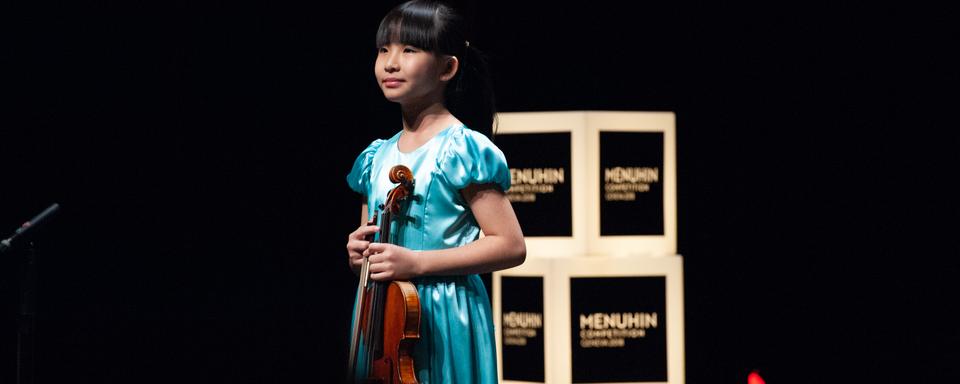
{"type": "Point", "coordinates": [426, 64]}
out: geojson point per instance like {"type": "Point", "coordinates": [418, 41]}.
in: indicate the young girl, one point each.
{"type": "Point", "coordinates": [427, 65]}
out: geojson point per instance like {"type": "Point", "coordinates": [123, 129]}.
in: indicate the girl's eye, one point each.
{"type": "Point", "coordinates": [382, 49]}
{"type": "Point", "coordinates": [409, 50]}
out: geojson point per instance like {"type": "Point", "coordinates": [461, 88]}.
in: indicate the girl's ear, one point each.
{"type": "Point", "coordinates": [450, 68]}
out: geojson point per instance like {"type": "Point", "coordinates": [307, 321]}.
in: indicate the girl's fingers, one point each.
{"type": "Point", "coordinates": [364, 231]}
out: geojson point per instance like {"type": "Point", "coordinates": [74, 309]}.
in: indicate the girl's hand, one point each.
{"type": "Point", "coordinates": [357, 244]}
{"type": "Point", "coordinates": [392, 262]}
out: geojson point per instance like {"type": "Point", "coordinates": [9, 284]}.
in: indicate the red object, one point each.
{"type": "Point", "coordinates": [754, 378]}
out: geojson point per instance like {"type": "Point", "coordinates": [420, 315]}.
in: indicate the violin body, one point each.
{"type": "Point", "coordinates": [387, 315]}
{"type": "Point", "coordinates": [402, 313]}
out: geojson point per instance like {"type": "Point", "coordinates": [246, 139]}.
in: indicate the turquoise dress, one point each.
{"type": "Point", "coordinates": [457, 342]}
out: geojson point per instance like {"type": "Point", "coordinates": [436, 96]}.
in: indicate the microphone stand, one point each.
{"type": "Point", "coordinates": [26, 330]}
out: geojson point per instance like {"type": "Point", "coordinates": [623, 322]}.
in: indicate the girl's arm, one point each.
{"type": "Point", "coordinates": [501, 246]}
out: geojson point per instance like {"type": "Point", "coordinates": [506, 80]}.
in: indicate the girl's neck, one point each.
{"type": "Point", "coordinates": [425, 119]}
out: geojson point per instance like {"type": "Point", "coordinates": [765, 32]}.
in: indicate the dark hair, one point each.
{"type": "Point", "coordinates": [437, 27]}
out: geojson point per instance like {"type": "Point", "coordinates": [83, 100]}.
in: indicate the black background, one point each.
{"type": "Point", "coordinates": [198, 151]}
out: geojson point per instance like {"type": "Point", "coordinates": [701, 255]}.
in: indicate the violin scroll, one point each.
{"type": "Point", "coordinates": [404, 178]}
{"type": "Point", "coordinates": [400, 174]}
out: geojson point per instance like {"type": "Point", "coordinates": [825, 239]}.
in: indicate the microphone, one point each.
{"type": "Point", "coordinates": [35, 222]}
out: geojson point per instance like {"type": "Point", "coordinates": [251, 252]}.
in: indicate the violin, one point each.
{"type": "Point", "coordinates": [387, 315]}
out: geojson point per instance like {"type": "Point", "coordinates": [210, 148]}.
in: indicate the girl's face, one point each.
{"type": "Point", "coordinates": [408, 74]}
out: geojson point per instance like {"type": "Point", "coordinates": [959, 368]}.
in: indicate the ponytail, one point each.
{"type": "Point", "coordinates": [470, 96]}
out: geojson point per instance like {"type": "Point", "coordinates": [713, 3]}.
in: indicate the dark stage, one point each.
{"type": "Point", "coordinates": [198, 154]}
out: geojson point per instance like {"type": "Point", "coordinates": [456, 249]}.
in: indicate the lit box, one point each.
{"type": "Point", "coordinates": [592, 183]}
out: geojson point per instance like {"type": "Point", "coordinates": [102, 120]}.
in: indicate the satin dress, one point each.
{"type": "Point", "coordinates": [457, 343]}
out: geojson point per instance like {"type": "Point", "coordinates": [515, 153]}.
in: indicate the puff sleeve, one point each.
{"type": "Point", "coordinates": [359, 177]}
{"type": "Point", "coordinates": [471, 158]}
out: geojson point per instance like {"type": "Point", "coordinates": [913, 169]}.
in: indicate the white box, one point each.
{"type": "Point", "coordinates": [586, 175]}
{"type": "Point", "coordinates": [645, 327]}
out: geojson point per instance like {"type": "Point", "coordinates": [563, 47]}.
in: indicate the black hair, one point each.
{"type": "Point", "coordinates": [439, 28]}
